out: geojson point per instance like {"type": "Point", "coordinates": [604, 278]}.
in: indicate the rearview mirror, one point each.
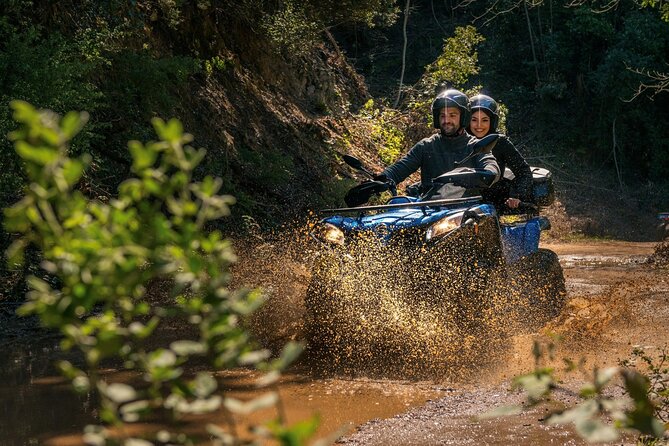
{"type": "Point", "coordinates": [485, 144]}
{"type": "Point", "coordinates": [352, 161]}
{"type": "Point", "coordinates": [357, 164]}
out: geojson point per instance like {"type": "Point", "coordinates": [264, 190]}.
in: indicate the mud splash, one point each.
{"type": "Point", "coordinates": [374, 312]}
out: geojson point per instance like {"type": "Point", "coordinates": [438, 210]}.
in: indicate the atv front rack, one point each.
{"type": "Point", "coordinates": [413, 204]}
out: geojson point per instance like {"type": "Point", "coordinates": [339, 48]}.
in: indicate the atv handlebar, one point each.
{"type": "Point", "coordinates": [467, 177]}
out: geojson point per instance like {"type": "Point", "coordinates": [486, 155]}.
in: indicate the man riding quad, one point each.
{"type": "Point", "coordinates": [440, 152]}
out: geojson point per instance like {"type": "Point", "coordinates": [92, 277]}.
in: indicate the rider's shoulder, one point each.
{"type": "Point", "coordinates": [432, 138]}
{"type": "Point", "coordinates": [428, 141]}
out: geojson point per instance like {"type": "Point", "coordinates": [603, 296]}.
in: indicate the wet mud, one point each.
{"type": "Point", "coordinates": [615, 300]}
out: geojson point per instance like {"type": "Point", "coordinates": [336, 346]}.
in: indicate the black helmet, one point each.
{"type": "Point", "coordinates": [451, 98]}
{"type": "Point", "coordinates": [487, 104]}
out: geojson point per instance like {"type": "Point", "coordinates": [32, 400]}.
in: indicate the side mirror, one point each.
{"type": "Point", "coordinates": [361, 193]}
{"type": "Point", "coordinates": [356, 164]}
{"type": "Point", "coordinates": [483, 145]}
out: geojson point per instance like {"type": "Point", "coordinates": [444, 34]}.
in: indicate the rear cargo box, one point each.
{"type": "Point", "coordinates": [542, 184]}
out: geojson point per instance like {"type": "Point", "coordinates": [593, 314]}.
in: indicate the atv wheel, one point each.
{"type": "Point", "coordinates": [542, 291]}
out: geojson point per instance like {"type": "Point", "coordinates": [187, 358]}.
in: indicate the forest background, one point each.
{"type": "Point", "coordinates": [277, 90]}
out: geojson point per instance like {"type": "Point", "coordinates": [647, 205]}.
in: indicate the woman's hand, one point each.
{"type": "Point", "coordinates": [512, 202]}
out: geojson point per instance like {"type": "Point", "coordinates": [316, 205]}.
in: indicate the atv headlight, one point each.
{"type": "Point", "coordinates": [444, 226]}
{"type": "Point", "coordinates": [329, 233]}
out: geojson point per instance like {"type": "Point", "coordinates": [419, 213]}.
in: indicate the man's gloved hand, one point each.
{"type": "Point", "coordinates": [392, 187]}
{"type": "Point", "coordinates": [384, 179]}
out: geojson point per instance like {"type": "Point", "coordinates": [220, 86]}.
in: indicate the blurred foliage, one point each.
{"type": "Point", "coordinates": [656, 368]}
{"type": "Point", "coordinates": [105, 257]}
{"type": "Point", "coordinates": [600, 417]}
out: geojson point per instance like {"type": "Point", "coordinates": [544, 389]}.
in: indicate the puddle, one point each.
{"type": "Point", "coordinates": [34, 400]}
{"type": "Point", "coordinates": [599, 261]}
{"type": "Point", "coordinates": [37, 406]}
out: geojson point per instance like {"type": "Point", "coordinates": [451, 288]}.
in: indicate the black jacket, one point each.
{"type": "Point", "coordinates": [520, 187]}
{"type": "Point", "coordinates": [436, 155]}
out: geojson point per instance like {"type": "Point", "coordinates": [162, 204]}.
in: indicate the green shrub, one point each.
{"type": "Point", "coordinates": [106, 255]}
{"type": "Point", "coordinates": [456, 63]}
{"type": "Point", "coordinates": [45, 70]}
{"type": "Point", "coordinates": [384, 131]}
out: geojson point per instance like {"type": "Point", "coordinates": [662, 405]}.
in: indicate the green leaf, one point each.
{"type": "Point", "coordinates": [142, 157]}
{"type": "Point", "coordinates": [603, 377]}
{"type": "Point", "coordinates": [162, 358]}
{"type": "Point", "coordinates": [72, 123]}
{"type": "Point", "coordinates": [296, 434]}
{"type": "Point", "coordinates": [245, 408]}
{"type": "Point", "coordinates": [137, 442]}
{"type": "Point", "coordinates": [120, 393]}
{"type": "Point", "coordinates": [594, 431]}
{"type": "Point", "coordinates": [15, 252]}
{"type": "Point", "coordinates": [588, 391]}
{"type": "Point", "coordinates": [537, 384]}
{"type": "Point", "coordinates": [291, 351]}
{"type": "Point", "coordinates": [200, 405]}
{"type": "Point", "coordinates": [131, 412]}
{"type": "Point", "coordinates": [204, 385]}
{"type": "Point", "coordinates": [24, 112]}
{"type": "Point", "coordinates": [186, 348]}
{"type": "Point", "coordinates": [81, 384]}
{"type": "Point", "coordinates": [268, 379]}
{"type": "Point", "coordinates": [587, 409]}
{"type": "Point", "coordinates": [254, 357]}
{"type": "Point", "coordinates": [636, 385]}
{"type": "Point", "coordinates": [39, 155]}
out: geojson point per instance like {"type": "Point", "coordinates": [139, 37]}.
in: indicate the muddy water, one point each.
{"type": "Point", "coordinates": [615, 302]}
{"type": "Point", "coordinates": [34, 400]}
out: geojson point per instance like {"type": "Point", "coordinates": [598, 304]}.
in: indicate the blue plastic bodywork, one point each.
{"type": "Point", "coordinates": [397, 219]}
{"type": "Point", "coordinates": [518, 239]}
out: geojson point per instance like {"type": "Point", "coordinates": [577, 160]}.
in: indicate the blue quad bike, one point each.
{"type": "Point", "coordinates": [429, 279]}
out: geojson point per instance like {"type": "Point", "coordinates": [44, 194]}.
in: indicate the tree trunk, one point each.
{"type": "Point", "coordinates": [404, 53]}
{"type": "Point", "coordinates": [534, 53]}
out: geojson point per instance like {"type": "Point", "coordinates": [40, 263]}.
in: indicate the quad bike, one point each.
{"type": "Point", "coordinates": [428, 277]}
